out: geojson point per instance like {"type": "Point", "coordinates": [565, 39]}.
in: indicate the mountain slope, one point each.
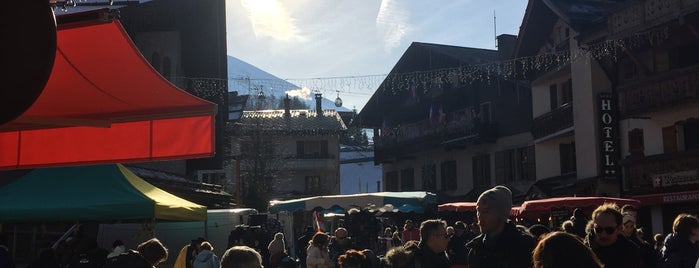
{"type": "Point", "coordinates": [248, 79]}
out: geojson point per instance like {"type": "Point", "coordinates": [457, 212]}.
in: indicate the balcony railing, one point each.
{"type": "Point", "coordinates": [312, 164]}
{"type": "Point", "coordinates": [640, 173]}
{"type": "Point", "coordinates": [659, 91]}
{"type": "Point", "coordinates": [553, 121]}
{"type": "Point", "coordinates": [647, 14]}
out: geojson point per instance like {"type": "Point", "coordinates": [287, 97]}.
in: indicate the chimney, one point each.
{"type": "Point", "coordinates": [506, 46]}
{"type": "Point", "coordinates": [319, 107]}
{"type": "Point", "coordinates": [287, 106]}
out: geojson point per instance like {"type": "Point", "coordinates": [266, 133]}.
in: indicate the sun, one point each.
{"type": "Point", "coordinates": [271, 18]}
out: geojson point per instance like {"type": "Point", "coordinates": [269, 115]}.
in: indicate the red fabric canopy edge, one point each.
{"type": "Point", "coordinates": [545, 205]}
{"type": "Point", "coordinates": [104, 103]}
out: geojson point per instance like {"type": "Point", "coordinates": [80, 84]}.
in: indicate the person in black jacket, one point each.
{"type": "Point", "coordinates": [432, 248]}
{"type": "Point", "coordinates": [147, 255]}
{"type": "Point", "coordinates": [500, 244]}
{"type": "Point", "coordinates": [605, 239]}
{"type": "Point", "coordinates": [456, 250]}
{"type": "Point", "coordinates": [681, 249]}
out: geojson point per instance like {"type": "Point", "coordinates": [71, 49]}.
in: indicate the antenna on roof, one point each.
{"type": "Point", "coordinates": [495, 28]}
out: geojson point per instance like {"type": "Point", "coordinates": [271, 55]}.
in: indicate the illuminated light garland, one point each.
{"type": "Point", "coordinates": [366, 85]}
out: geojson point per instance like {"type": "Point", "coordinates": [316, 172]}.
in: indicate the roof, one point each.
{"type": "Point", "coordinates": [463, 54]}
{"type": "Point", "coordinates": [420, 57]}
{"type": "Point", "coordinates": [541, 15]}
{"type": "Point", "coordinates": [104, 103]}
{"type": "Point", "coordinates": [298, 121]}
{"type": "Point", "coordinates": [90, 193]}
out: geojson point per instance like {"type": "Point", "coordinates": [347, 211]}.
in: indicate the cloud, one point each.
{"type": "Point", "coordinates": [301, 93]}
{"type": "Point", "coordinates": [271, 18]}
{"type": "Point", "coordinates": [392, 23]}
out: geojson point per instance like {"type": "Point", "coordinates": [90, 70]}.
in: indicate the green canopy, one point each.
{"type": "Point", "coordinates": [90, 193]}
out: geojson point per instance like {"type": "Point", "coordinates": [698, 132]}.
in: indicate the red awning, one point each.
{"type": "Point", "coordinates": [545, 205]}
{"type": "Point", "coordinates": [668, 198]}
{"type": "Point", "coordinates": [468, 206]}
{"type": "Point", "coordinates": [104, 103]}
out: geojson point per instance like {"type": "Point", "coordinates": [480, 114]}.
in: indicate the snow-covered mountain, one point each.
{"type": "Point", "coordinates": [248, 79]}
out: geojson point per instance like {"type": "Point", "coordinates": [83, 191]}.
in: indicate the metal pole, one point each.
{"type": "Point", "coordinates": [238, 183]}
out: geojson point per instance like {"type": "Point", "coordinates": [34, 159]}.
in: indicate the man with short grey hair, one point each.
{"type": "Point", "coordinates": [241, 257]}
{"type": "Point", "coordinates": [433, 244]}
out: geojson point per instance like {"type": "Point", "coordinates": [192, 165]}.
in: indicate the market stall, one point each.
{"type": "Point", "coordinates": [556, 210]}
{"type": "Point", "coordinates": [467, 207]}
{"type": "Point", "coordinates": [364, 215]}
{"type": "Point", "coordinates": [102, 103]}
{"type": "Point", "coordinates": [417, 202]}
{"type": "Point", "coordinates": [90, 193]}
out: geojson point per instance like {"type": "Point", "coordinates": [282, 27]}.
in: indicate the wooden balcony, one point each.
{"type": "Point", "coordinates": [640, 172]}
{"type": "Point", "coordinates": [660, 91]}
{"type": "Point", "coordinates": [553, 121]}
{"type": "Point", "coordinates": [647, 14]}
{"type": "Point", "coordinates": [423, 136]}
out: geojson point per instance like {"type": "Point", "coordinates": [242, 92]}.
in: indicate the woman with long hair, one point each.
{"type": "Point", "coordinates": [318, 255]}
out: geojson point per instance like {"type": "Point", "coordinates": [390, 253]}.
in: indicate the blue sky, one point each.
{"type": "Point", "coordinates": [301, 40]}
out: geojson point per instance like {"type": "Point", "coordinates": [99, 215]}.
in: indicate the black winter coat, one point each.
{"type": "Point", "coordinates": [513, 248]}
{"type": "Point", "coordinates": [131, 259]}
{"type": "Point", "coordinates": [425, 257]}
{"type": "Point", "coordinates": [679, 252]}
{"type": "Point", "coordinates": [621, 254]}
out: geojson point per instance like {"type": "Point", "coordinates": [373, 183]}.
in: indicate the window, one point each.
{"type": "Point", "coordinates": [515, 165]}
{"type": "Point", "coordinates": [691, 135]}
{"type": "Point", "coordinates": [429, 177]}
{"type": "Point", "coordinates": [567, 91]}
{"type": "Point", "coordinates": [567, 151]}
{"type": "Point", "coordinates": [218, 177]}
{"type": "Point", "coordinates": [392, 181]}
{"type": "Point", "coordinates": [553, 96]}
{"type": "Point", "coordinates": [313, 184]}
{"type": "Point", "coordinates": [669, 139]}
{"type": "Point", "coordinates": [448, 172]}
{"type": "Point", "coordinates": [312, 149]}
{"type": "Point", "coordinates": [636, 142]}
{"type": "Point", "coordinates": [407, 179]}
{"type": "Point", "coordinates": [481, 170]}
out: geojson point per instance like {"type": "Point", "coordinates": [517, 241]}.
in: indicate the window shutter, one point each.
{"type": "Point", "coordinates": [669, 139]}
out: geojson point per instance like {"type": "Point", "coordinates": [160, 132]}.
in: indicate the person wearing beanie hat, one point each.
{"type": "Point", "coordinates": [276, 247]}
{"type": "Point", "coordinates": [500, 243]}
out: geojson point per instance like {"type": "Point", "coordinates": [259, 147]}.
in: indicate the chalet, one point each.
{"type": "Point", "coordinates": [620, 114]}
{"type": "Point", "coordinates": [443, 124]}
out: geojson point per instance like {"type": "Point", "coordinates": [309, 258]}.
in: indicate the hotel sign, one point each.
{"type": "Point", "coordinates": [608, 118]}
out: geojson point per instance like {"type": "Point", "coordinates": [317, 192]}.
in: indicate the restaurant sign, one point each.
{"type": "Point", "coordinates": [676, 178]}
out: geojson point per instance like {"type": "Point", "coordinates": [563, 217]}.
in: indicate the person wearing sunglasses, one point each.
{"type": "Point", "coordinates": [500, 243]}
{"type": "Point", "coordinates": [605, 239]}
{"type": "Point", "coordinates": [432, 248]}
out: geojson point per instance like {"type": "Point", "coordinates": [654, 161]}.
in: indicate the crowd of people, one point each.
{"type": "Point", "coordinates": [609, 238]}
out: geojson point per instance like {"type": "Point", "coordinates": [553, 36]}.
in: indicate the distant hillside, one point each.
{"type": "Point", "coordinates": [248, 79]}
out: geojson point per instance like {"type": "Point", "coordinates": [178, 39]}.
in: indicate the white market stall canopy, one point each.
{"type": "Point", "coordinates": [405, 202]}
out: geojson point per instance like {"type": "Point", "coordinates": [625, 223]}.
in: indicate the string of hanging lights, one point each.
{"type": "Point", "coordinates": [366, 85]}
